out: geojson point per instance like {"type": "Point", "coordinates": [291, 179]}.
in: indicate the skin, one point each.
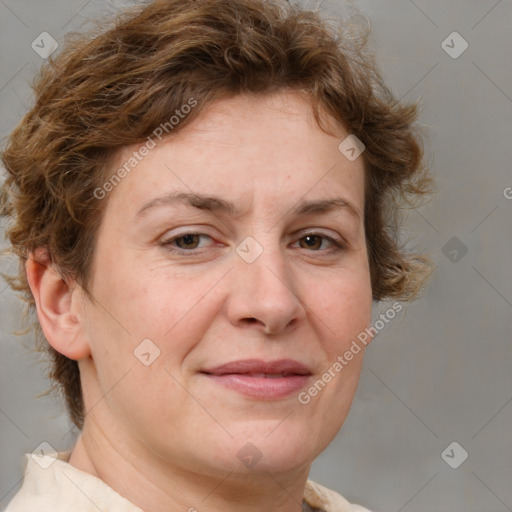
{"type": "Point", "coordinates": [165, 436]}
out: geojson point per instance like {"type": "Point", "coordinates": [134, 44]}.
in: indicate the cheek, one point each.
{"type": "Point", "coordinates": [170, 306]}
{"type": "Point", "coordinates": [343, 307]}
{"type": "Point", "coordinates": [173, 311]}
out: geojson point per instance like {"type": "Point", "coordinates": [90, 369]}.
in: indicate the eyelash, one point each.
{"type": "Point", "coordinates": [338, 243]}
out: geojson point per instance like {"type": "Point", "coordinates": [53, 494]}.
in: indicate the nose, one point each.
{"type": "Point", "coordinates": [264, 293]}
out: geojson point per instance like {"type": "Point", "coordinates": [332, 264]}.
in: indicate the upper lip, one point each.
{"type": "Point", "coordinates": [247, 366]}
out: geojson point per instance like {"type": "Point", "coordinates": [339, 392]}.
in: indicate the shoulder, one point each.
{"type": "Point", "coordinates": [328, 500]}
{"type": "Point", "coordinates": [50, 484]}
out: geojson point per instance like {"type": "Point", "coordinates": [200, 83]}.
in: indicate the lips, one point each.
{"type": "Point", "coordinates": [259, 368]}
{"type": "Point", "coordinates": [264, 380]}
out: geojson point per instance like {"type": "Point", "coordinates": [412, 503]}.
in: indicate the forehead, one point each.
{"type": "Point", "coordinates": [246, 148]}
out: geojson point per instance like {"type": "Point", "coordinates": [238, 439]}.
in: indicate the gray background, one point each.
{"type": "Point", "coordinates": [441, 371]}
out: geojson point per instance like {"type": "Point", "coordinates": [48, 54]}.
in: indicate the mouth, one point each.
{"type": "Point", "coordinates": [266, 380]}
{"type": "Point", "coordinates": [266, 375]}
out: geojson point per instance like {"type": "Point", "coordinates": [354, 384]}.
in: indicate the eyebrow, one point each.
{"type": "Point", "coordinates": [216, 204]}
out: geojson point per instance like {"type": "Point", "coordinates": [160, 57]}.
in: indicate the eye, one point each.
{"type": "Point", "coordinates": [185, 242]}
{"type": "Point", "coordinates": [315, 241]}
{"type": "Point", "coordinates": [190, 242]}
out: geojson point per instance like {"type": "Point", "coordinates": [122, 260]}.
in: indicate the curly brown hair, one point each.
{"type": "Point", "coordinates": [110, 88]}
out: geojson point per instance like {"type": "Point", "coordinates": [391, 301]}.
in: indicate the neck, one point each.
{"type": "Point", "coordinates": [156, 485]}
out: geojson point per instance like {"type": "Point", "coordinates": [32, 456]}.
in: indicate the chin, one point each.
{"type": "Point", "coordinates": [265, 448]}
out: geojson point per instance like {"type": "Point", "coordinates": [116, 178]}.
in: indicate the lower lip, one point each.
{"type": "Point", "coordinates": [261, 387]}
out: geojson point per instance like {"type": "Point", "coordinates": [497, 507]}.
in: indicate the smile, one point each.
{"type": "Point", "coordinates": [270, 380]}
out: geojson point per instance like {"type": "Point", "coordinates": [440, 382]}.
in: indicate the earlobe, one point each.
{"type": "Point", "coordinates": [56, 304]}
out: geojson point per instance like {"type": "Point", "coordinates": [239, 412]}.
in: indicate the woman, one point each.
{"type": "Point", "coordinates": [203, 202]}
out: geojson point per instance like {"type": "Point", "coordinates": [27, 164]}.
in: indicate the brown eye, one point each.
{"type": "Point", "coordinates": [311, 242]}
{"type": "Point", "coordinates": [187, 241]}
{"type": "Point", "coordinates": [314, 241]}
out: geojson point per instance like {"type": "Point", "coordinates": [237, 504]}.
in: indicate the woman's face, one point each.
{"type": "Point", "coordinates": [251, 275]}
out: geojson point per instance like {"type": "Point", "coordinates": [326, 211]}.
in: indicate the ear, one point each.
{"type": "Point", "coordinates": [57, 306]}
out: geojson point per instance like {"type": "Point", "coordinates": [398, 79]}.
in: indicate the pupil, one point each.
{"type": "Point", "coordinates": [189, 239]}
{"type": "Point", "coordinates": [311, 240]}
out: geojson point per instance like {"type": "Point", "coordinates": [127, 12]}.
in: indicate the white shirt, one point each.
{"type": "Point", "coordinates": [53, 485]}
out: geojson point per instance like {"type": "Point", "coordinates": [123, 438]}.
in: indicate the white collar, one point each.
{"type": "Point", "coordinates": [53, 485]}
